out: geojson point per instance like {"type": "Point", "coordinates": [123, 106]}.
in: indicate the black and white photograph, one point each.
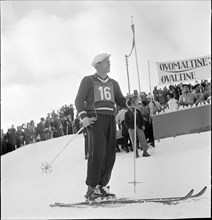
{"type": "Point", "coordinates": [105, 109]}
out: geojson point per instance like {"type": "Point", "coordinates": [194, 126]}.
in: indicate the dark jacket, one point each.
{"type": "Point", "coordinates": [129, 119]}
{"type": "Point", "coordinates": [40, 128]}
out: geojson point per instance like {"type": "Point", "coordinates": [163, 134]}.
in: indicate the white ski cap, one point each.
{"type": "Point", "coordinates": [99, 58]}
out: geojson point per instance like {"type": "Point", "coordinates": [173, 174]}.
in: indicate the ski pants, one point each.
{"type": "Point", "coordinates": [102, 150]}
{"type": "Point", "coordinates": [141, 138]}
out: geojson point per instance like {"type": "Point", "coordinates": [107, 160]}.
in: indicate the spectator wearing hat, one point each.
{"type": "Point", "coordinates": [20, 137]}
{"type": "Point", "coordinates": [58, 132]}
{"type": "Point", "coordinates": [53, 114]}
{"type": "Point", "coordinates": [41, 128]}
{"type": "Point", "coordinates": [48, 130]}
{"type": "Point", "coordinates": [206, 96]}
{"type": "Point", "coordinates": [28, 134]}
{"type": "Point", "coordinates": [173, 89]}
{"type": "Point", "coordinates": [162, 95]}
{"type": "Point", "coordinates": [95, 104]}
{"type": "Point", "coordinates": [197, 90]}
{"type": "Point", "coordinates": [187, 97]}
{"type": "Point", "coordinates": [34, 130]}
{"type": "Point", "coordinates": [11, 139]}
{"type": "Point", "coordinates": [156, 93]}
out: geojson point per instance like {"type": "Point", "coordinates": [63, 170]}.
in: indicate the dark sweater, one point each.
{"type": "Point", "coordinates": [85, 98]}
{"type": "Point", "coordinates": [129, 119]}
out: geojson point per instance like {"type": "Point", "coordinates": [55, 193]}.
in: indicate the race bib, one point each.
{"type": "Point", "coordinates": [103, 92]}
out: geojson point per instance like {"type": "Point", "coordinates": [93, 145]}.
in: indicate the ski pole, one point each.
{"type": "Point", "coordinates": [135, 143]}
{"type": "Point", "coordinates": [135, 150]}
{"type": "Point", "coordinates": [46, 167]}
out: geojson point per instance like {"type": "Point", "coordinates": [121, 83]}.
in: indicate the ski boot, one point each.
{"type": "Point", "coordinates": [106, 194]}
{"type": "Point", "coordinates": [93, 195]}
{"type": "Point", "coordinates": [145, 154]}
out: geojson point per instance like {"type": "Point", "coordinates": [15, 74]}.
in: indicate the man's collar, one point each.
{"type": "Point", "coordinates": [102, 80]}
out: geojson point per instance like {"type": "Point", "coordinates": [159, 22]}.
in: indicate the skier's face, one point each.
{"type": "Point", "coordinates": [104, 66]}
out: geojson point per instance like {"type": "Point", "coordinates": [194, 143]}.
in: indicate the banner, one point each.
{"type": "Point", "coordinates": [184, 70]}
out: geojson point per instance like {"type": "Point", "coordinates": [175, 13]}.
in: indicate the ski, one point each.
{"type": "Point", "coordinates": [122, 201]}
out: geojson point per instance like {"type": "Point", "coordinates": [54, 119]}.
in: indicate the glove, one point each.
{"type": "Point", "coordinates": [86, 121]}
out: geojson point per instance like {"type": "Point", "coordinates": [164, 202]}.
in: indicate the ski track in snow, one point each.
{"type": "Point", "coordinates": [176, 165]}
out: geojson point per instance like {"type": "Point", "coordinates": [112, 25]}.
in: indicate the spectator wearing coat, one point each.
{"type": "Point", "coordinates": [11, 139]}
{"type": "Point", "coordinates": [58, 127]}
{"type": "Point", "coordinates": [154, 107]}
{"type": "Point", "coordinates": [140, 126]}
{"type": "Point", "coordinates": [28, 134]}
{"type": "Point", "coordinates": [145, 112]}
{"type": "Point", "coordinates": [187, 97]}
{"type": "Point", "coordinates": [162, 96]}
{"type": "Point", "coordinates": [3, 143]}
{"type": "Point", "coordinates": [48, 129]}
{"type": "Point", "coordinates": [20, 137]}
{"type": "Point", "coordinates": [174, 91]}
{"type": "Point", "coordinates": [172, 103]}
{"type": "Point", "coordinates": [34, 130]}
{"type": "Point", "coordinates": [124, 131]}
{"type": "Point", "coordinates": [206, 96]}
{"type": "Point", "coordinates": [40, 129]}
{"type": "Point", "coordinates": [197, 90]}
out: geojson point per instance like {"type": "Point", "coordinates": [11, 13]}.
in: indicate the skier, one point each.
{"type": "Point", "coordinates": [95, 104]}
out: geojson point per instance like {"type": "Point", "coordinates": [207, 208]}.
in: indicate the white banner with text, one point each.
{"type": "Point", "coordinates": [184, 70]}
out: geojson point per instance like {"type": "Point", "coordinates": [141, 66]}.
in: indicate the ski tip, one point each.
{"type": "Point", "coordinates": [205, 188]}
{"type": "Point", "coordinates": [188, 195]}
{"type": "Point", "coordinates": [200, 192]}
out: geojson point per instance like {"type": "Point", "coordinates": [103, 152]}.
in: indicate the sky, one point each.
{"type": "Point", "coordinates": [47, 47]}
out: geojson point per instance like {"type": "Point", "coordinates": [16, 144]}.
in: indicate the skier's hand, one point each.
{"type": "Point", "coordinates": [88, 121]}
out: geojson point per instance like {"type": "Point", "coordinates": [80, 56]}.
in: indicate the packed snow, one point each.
{"type": "Point", "coordinates": [175, 167]}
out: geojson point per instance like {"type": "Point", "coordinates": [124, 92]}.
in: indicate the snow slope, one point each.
{"type": "Point", "coordinates": [176, 165]}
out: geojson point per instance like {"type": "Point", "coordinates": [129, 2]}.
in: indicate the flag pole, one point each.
{"type": "Point", "coordinates": [133, 29]}
{"type": "Point", "coordinates": [135, 143]}
{"type": "Point", "coordinates": [135, 132]}
{"type": "Point", "coordinates": [128, 78]}
{"type": "Point", "coordinates": [149, 78]}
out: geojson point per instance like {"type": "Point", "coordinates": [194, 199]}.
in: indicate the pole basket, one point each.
{"type": "Point", "coordinates": [46, 168]}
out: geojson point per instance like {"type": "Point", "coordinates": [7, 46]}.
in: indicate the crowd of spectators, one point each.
{"type": "Point", "coordinates": [200, 90]}
{"type": "Point", "coordinates": [171, 99]}
{"type": "Point", "coordinates": [63, 122]}
{"type": "Point", "coordinates": [55, 124]}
